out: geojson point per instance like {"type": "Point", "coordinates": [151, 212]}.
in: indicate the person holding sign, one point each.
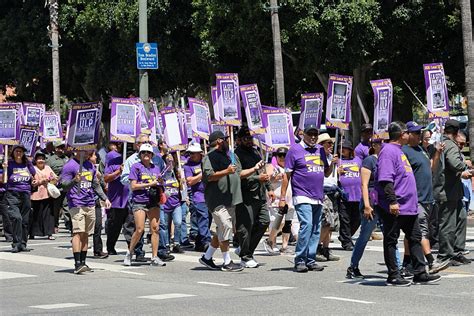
{"type": "Point", "coordinates": [20, 180]}
{"type": "Point", "coordinates": [306, 166]}
{"type": "Point", "coordinates": [362, 149]}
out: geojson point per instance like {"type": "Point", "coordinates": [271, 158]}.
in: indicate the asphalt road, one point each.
{"type": "Point", "coordinates": [42, 282]}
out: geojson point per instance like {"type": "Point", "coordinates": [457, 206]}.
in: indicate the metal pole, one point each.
{"type": "Point", "coordinates": [143, 38]}
{"type": "Point", "coordinates": [277, 53]}
{"type": "Point", "coordinates": [54, 36]}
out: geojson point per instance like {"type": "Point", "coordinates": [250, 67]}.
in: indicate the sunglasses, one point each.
{"type": "Point", "coordinates": [247, 138]}
{"type": "Point", "coordinates": [281, 155]}
{"type": "Point", "coordinates": [146, 152]}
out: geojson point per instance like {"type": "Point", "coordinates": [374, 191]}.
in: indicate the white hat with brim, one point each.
{"type": "Point", "coordinates": [194, 148]}
{"type": "Point", "coordinates": [323, 138]}
{"type": "Point", "coordinates": [146, 147]}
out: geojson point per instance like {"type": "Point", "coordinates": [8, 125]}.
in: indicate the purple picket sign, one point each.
{"type": "Point", "coordinates": [32, 113]}
{"type": "Point", "coordinates": [215, 126]}
{"type": "Point", "coordinates": [125, 120]}
{"type": "Point", "coordinates": [311, 110]}
{"type": "Point", "coordinates": [28, 138]}
{"type": "Point", "coordinates": [200, 118]}
{"type": "Point", "coordinates": [153, 136]}
{"type": "Point", "coordinates": [228, 98]}
{"type": "Point", "coordinates": [436, 90]}
{"type": "Point", "coordinates": [10, 119]}
{"type": "Point", "coordinates": [144, 122]}
{"type": "Point", "coordinates": [338, 107]}
{"type": "Point", "coordinates": [253, 108]}
{"type": "Point", "coordinates": [50, 129]}
{"type": "Point", "coordinates": [173, 131]}
{"type": "Point", "coordinates": [279, 128]}
{"type": "Point", "coordinates": [83, 126]}
{"type": "Point", "coordinates": [383, 105]}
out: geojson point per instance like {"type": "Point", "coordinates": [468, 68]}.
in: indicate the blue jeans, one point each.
{"type": "Point", "coordinates": [184, 227]}
{"type": "Point", "coordinates": [309, 217]}
{"type": "Point", "coordinates": [201, 213]}
{"type": "Point", "coordinates": [165, 217]}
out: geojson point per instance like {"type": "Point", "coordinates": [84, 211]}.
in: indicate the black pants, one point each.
{"type": "Point", "coordinates": [42, 218]}
{"type": "Point", "coordinates": [97, 238]}
{"type": "Point", "coordinates": [452, 228]}
{"type": "Point", "coordinates": [252, 220]}
{"type": "Point", "coordinates": [18, 210]}
{"type": "Point", "coordinates": [349, 221]}
{"type": "Point", "coordinates": [434, 225]}
{"type": "Point", "coordinates": [7, 225]}
{"type": "Point", "coordinates": [115, 220]}
{"type": "Point", "coordinates": [392, 225]}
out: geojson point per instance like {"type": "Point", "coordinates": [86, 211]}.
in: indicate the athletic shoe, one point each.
{"type": "Point", "coordinates": [237, 251]}
{"type": "Point", "coordinates": [166, 257]}
{"type": "Point", "coordinates": [186, 245]}
{"type": "Point", "coordinates": [404, 273]}
{"type": "Point", "coordinates": [327, 253]}
{"type": "Point", "coordinates": [314, 267]}
{"type": "Point", "coordinates": [16, 249]}
{"type": "Point", "coordinates": [141, 258]}
{"type": "Point", "coordinates": [112, 252]}
{"type": "Point", "coordinates": [287, 252]}
{"type": "Point", "coordinates": [79, 269]}
{"type": "Point", "coordinates": [127, 261]}
{"type": "Point", "coordinates": [426, 278]}
{"type": "Point", "coordinates": [348, 247]}
{"type": "Point", "coordinates": [301, 267]}
{"type": "Point", "coordinates": [321, 258]}
{"type": "Point", "coordinates": [201, 248]}
{"type": "Point", "coordinates": [155, 261]}
{"type": "Point", "coordinates": [87, 268]}
{"type": "Point", "coordinates": [399, 281]}
{"type": "Point", "coordinates": [461, 259]}
{"type": "Point", "coordinates": [208, 263]}
{"type": "Point", "coordinates": [231, 267]}
{"type": "Point", "coordinates": [101, 255]}
{"type": "Point", "coordinates": [439, 265]}
{"type": "Point", "coordinates": [269, 248]}
{"type": "Point", "coordinates": [353, 273]}
{"type": "Point", "coordinates": [466, 252]}
{"type": "Point", "coordinates": [177, 249]}
{"type": "Point", "coordinates": [24, 249]}
{"type": "Point", "coordinates": [249, 263]}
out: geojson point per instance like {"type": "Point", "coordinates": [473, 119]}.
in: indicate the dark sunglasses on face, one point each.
{"type": "Point", "coordinates": [146, 152]}
{"type": "Point", "coordinates": [281, 155]}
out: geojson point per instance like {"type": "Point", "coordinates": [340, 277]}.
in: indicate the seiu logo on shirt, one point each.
{"type": "Point", "coordinates": [21, 175]}
{"type": "Point", "coordinates": [351, 170]}
{"type": "Point", "coordinates": [146, 178]}
{"type": "Point", "coordinates": [406, 163]}
{"type": "Point", "coordinates": [171, 186]}
{"type": "Point", "coordinates": [197, 171]}
{"type": "Point", "coordinates": [314, 163]}
{"type": "Point", "coordinates": [87, 179]}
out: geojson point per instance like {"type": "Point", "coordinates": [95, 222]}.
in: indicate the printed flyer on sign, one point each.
{"type": "Point", "coordinates": [383, 100]}
{"type": "Point", "coordinates": [28, 138]}
{"type": "Point", "coordinates": [228, 98]}
{"type": "Point", "coordinates": [338, 108]}
{"type": "Point", "coordinates": [436, 90]}
{"type": "Point", "coordinates": [173, 131]}
{"type": "Point", "coordinates": [200, 118]}
{"type": "Point", "coordinates": [311, 110]}
{"type": "Point", "coordinates": [125, 124]}
{"type": "Point", "coordinates": [33, 113]}
{"type": "Point", "coordinates": [10, 117]}
{"type": "Point", "coordinates": [51, 130]}
{"type": "Point", "coordinates": [253, 108]}
{"type": "Point", "coordinates": [279, 128]}
{"type": "Point", "coordinates": [83, 126]}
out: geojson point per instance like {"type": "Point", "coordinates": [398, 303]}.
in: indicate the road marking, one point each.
{"type": "Point", "coordinates": [64, 263]}
{"type": "Point", "coordinates": [40, 244]}
{"type": "Point", "coordinates": [165, 296]}
{"type": "Point", "coordinates": [457, 276]}
{"type": "Point", "coordinates": [57, 306]}
{"type": "Point", "coordinates": [212, 283]}
{"type": "Point", "coordinates": [347, 300]}
{"type": "Point", "coordinates": [267, 288]}
{"type": "Point", "coordinates": [11, 275]}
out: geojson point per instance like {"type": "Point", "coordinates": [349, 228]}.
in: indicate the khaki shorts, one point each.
{"type": "Point", "coordinates": [224, 217]}
{"type": "Point", "coordinates": [83, 219]}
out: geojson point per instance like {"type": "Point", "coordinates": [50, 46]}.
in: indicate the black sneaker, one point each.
{"type": "Point", "coordinates": [112, 252]}
{"type": "Point", "coordinates": [141, 259]}
{"type": "Point", "coordinates": [426, 278]}
{"type": "Point", "coordinates": [231, 267]}
{"type": "Point", "coordinates": [399, 281]}
{"type": "Point", "coordinates": [348, 247]}
{"type": "Point", "coordinates": [461, 259]}
{"type": "Point", "coordinates": [87, 268]}
{"type": "Point", "coordinates": [208, 263]}
{"type": "Point", "coordinates": [438, 265]}
{"type": "Point", "coordinates": [301, 267]}
{"type": "Point", "coordinates": [404, 273]}
{"type": "Point", "coordinates": [187, 245]}
{"type": "Point", "coordinates": [314, 267]}
{"type": "Point", "coordinates": [80, 268]}
{"type": "Point", "coordinates": [353, 273]}
{"type": "Point", "coordinates": [177, 249]}
{"type": "Point", "coordinates": [166, 257]}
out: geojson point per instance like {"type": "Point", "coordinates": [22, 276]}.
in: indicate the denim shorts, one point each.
{"type": "Point", "coordinates": [142, 207]}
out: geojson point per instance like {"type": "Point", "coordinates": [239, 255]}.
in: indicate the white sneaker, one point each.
{"type": "Point", "coordinates": [249, 264]}
{"type": "Point", "coordinates": [127, 261]}
{"type": "Point", "coordinates": [155, 261]}
{"type": "Point", "coordinates": [237, 251]}
{"type": "Point", "coordinates": [269, 248]}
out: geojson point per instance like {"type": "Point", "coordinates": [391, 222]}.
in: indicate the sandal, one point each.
{"type": "Point", "coordinates": [51, 238]}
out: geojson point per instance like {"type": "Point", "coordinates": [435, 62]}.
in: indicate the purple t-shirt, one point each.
{"type": "Point", "coordinates": [142, 174]}
{"type": "Point", "coordinates": [307, 166]}
{"type": "Point", "coordinates": [192, 169]}
{"type": "Point", "coordinates": [362, 150]}
{"type": "Point", "coordinates": [171, 191]}
{"type": "Point", "coordinates": [20, 176]}
{"type": "Point", "coordinates": [117, 192]}
{"type": "Point", "coordinates": [393, 166]}
{"type": "Point", "coordinates": [82, 193]}
{"type": "Point", "coordinates": [350, 180]}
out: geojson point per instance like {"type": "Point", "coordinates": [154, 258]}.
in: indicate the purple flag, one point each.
{"type": "Point", "coordinates": [436, 90]}
{"type": "Point", "coordinates": [32, 113]}
{"type": "Point", "coordinates": [153, 137]}
{"type": "Point", "coordinates": [253, 108]}
{"type": "Point", "coordinates": [279, 128]}
{"type": "Point", "coordinates": [144, 122]}
{"type": "Point", "coordinates": [311, 110]}
{"type": "Point", "coordinates": [125, 121]}
{"type": "Point", "coordinates": [200, 118]}
{"type": "Point", "coordinates": [10, 118]}
{"type": "Point", "coordinates": [28, 138]}
{"type": "Point", "coordinates": [173, 130]}
{"type": "Point", "coordinates": [51, 130]}
{"type": "Point", "coordinates": [383, 104]}
{"type": "Point", "coordinates": [228, 98]}
{"type": "Point", "coordinates": [83, 126]}
{"type": "Point", "coordinates": [338, 108]}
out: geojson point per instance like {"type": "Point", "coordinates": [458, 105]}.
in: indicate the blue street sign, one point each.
{"type": "Point", "coordinates": [147, 55]}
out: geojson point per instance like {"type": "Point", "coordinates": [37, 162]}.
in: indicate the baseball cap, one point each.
{"type": "Point", "coordinates": [194, 148]}
{"type": "Point", "coordinates": [309, 128]}
{"type": "Point", "coordinates": [366, 127]}
{"type": "Point", "coordinates": [452, 124]}
{"type": "Point", "coordinates": [146, 147]}
{"type": "Point", "coordinates": [413, 127]}
{"type": "Point", "coordinates": [347, 144]}
{"type": "Point", "coordinates": [281, 151]}
{"type": "Point", "coordinates": [216, 135]}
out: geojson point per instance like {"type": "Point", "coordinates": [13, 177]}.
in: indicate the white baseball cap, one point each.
{"type": "Point", "coordinates": [146, 147]}
{"type": "Point", "coordinates": [194, 148]}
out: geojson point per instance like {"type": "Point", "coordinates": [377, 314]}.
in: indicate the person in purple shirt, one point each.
{"type": "Point", "coordinates": [306, 166]}
{"type": "Point", "coordinates": [118, 194]}
{"type": "Point", "coordinates": [20, 179]}
{"type": "Point", "coordinates": [349, 178]}
{"type": "Point", "coordinates": [398, 201]}
{"type": "Point", "coordinates": [193, 174]}
{"type": "Point", "coordinates": [6, 225]}
{"type": "Point", "coordinates": [362, 149]}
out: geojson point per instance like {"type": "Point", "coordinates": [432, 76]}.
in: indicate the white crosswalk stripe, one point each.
{"type": "Point", "coordinates": [12, 275]}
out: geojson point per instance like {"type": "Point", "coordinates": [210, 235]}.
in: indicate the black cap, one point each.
{"type": "Point", "coordinates": [366, 127]}
{"type": "Point", "coordinates": [216, 135]}
{"type": "Point", "coordinates": [452, 125]}
{"type": "Point", "coordinates": [310, 128]}
{"type": "Point", "coordinates": [281, 150]}
{"type": "Point", "coordinates": [347, 144]}
{"type": "Point", "coordinates": [244, 131]}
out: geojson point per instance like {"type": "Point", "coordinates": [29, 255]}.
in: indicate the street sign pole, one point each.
{"type": "Point", "coordinates": [143, 38]}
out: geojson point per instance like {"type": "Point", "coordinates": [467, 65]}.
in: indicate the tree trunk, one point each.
{"type": "Point", "coordinates": [278, 59]}
{"type": "Point", "coordinates": [468, 67]}
{"type": "Point", "coordinates": [53, 29]}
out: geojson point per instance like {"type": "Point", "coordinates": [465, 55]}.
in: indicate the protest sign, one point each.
{"type": "Point", "coordinates": [153, 135]}
{"type": "Point", "coordinates": [383, 104]}
{"type": "Point", "coordinates": [83, 126]}
{"type": "Point", "coordinates": [200, 118]}
{"type": "Point", "coordinates": [228, 98]}
{"type": "Point", "coordinates": [338, 107]}
{"type": "Point", "coordinates": [436, 90]}
{"type": "Point", "coordinates": [28, 138]}
{"type": "Point", "coordinates": [253, 108]}
{"type": "Point", "coordinates": [10, 117]}
{"type": "Point", "coordinates": [215, 126]}
{"type": "Point", "coordinates": [311, 110]}
{"type": "Point", "coordinates": [125, 122]}
{"type": "Point", "coordinates": [173, 131]}
{"type": "Point", "coordinates": [144, 123]}
{"type": "Point", "coordinates": [50, 129]}
{"type": "Point", "coordinates": [32, 113]}
{"type": "Point", "coordinates": [279, 128]}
